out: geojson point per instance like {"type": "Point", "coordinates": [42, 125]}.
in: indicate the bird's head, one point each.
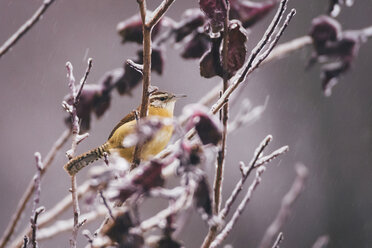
{"type": "Point", "coordinates": [162, 99]}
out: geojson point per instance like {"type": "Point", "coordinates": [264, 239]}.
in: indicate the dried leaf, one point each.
{"type": "Point", "coordinates": [236, 48]}
{"type": "Point", "coordinates": [208, 131]}
{"type": "Point", "coordinates": [196, 46]}
{"type": "Point", "coordinates": [203, 197]}
{"type": "Point", "coordinates": [190, 21]}
{"type": "Point", "coordinates": [216, 11]}
{"type": "Point", "coordinates": [210, 64]}
{"type": "Point", "coordinates": [150, 176]}
{"type": "Point", "coordinates": [130, 30]}
{"type": "Point", "coordinates": [168, 242]}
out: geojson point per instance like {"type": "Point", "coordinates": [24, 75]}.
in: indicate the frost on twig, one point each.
{"type": "Point", "coordinates": [286, 206]}
{"type": "Point", "coordinates": [229, 226]}
{"type": "Point", "coordinates": [278, 240]}
{"type": "Point", "coordinates": [321, 242]}
{"type": "Point", "coordinates": [76, 139]}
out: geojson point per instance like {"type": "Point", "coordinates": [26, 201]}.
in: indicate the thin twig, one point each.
{"type": "Point", "coordinates": [276, 39]}
{"type": "Point", "coordinates": [83, 80]}
{"type": "Point", "coordinates": [159, 12]}
{"type": "Point", "coordinates": [67, 225]}
{"type": "Point", "coordinates": [30, 188]}
{"type": "Point", "coordinates": [229, 226]}
{"type": "Point", "coordinates": [286, 205]}
{"type": "Point", "coordinates": [183, 202]}
{"type": "Point", "coordinates": [245, 173]}
{"type": "Point", "coordinates": [278, 240]}
{"type": "Point", "coordinates": [34, 226]}
{"type": "Point", "coordinates": [25, 27]}
{"type": "Point", "coordinates": [106, 205]}
{"type": "Point", "coordinates": [52, 214]}
{"type": "Point", "coordinates": [247, 68]}
{"type": "Point", "coordinates": [76, 210]}
{"type": "Point", "coordinates": [321, 242]}
{"type": "Point", "coordinates": [25, 242]}
{"type": "Point", "coordinates": [76, 138]}
{"type": "Point", "coordinates": [37, 181]}
{"type": "Point", "coordinates": [222, 152]}
{"type": "Point", "coordinates": [367, 32]}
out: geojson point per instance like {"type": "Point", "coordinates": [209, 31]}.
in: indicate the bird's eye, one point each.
{"type": "Point", "coordinates": [162, 98]}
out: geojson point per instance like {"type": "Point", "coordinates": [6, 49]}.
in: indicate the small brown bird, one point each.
{"type": "Point", "coordinates": [161, 105]}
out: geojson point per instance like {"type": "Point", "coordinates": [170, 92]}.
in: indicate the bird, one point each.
{"type": "Point", "coordinates": [161, 105]}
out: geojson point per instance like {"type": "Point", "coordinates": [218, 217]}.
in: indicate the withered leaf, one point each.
{"type": "Point", "coordinates": [216, 11]}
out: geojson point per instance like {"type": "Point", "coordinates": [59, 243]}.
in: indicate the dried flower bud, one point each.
{"type": "Point", "coordinates": [249, 13]}
{"type": "Point", "coordinates": [338, 49]}
{"type": "Point", "coordinates": [323, 30]}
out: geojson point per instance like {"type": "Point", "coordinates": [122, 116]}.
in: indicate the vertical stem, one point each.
{"type": "Point", "coordinates": [76, 210]}
{"type": "Point", "coordinates": [146, 31]}
{"type": "Point", "coordinates": [222, 152]}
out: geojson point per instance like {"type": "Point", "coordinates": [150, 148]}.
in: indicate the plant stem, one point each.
{"type": "Point", "coordinates": [30, 188]}
{"type": "Point", "coordinates": [25, 27]}
{"type": "Point", "coordinates": [147, 27]}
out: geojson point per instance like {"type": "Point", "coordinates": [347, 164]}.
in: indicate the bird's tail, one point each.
{"type": "Point", "coordinates": [79, 162]}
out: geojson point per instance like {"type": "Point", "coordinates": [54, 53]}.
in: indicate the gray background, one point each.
{"type": "Point", "coordinates": [332, 136]}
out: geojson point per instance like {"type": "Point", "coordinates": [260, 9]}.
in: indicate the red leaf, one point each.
{"type": "Point", "coordinates": [216, 11]}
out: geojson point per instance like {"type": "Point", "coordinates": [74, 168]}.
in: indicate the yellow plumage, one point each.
{"type": "Point", "coordinates": [161, 106]}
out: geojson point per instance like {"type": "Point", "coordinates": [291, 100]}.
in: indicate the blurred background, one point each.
{"type": "Point", "coordinates": [331, 136]}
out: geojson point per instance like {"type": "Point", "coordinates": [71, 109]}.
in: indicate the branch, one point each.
{"type": "Point", "coordinates": [34, 226]}
{"type": "Point", "coordinates": [30, 188]}
{"type": "Point", "coordinates": [146, 81]}
{"type": "Point", "coordinates": [245, 173]}
{"type": "Point", "coordinates": [285, 208]}
{"type": "Point", "coordinates": [278, 240]}
{"type": "Point", "coordinates": [159, 12]}
{"type": "Point", "coordinates": [146, 31]}
{"type": "Point", "coordinates": [222, 152]}
{"type": "Point", "coordinates": [52, 214]}
{"type": "Point", "coordinates": [249, 65]}
{"type": "Point", "coordinates": [76, 138]}
{"type": "Point", "coordinates": [67, 225]}
{"type": "Point", "coordinates": [37, 181]}
{"type": "Point", "coordinates": [229, 226]}
{"type": "Point", "coordinates": [25, 27]}
{"type": "Point", "coordinates": [321, 242]}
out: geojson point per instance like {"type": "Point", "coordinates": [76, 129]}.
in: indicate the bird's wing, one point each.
{"type": "Point", "coordinates": [129, 117]}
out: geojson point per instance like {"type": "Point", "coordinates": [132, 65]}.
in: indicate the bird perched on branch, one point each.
{"type": "Point", "coordinates": [161, 105]}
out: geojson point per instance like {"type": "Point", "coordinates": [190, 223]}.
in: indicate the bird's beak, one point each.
{"type": "Point", "coordinates": [179, 96]}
